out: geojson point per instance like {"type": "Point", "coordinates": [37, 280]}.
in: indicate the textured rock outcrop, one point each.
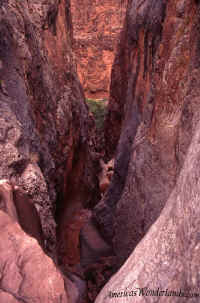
{"type": "Point", "coordinates": [158, 65]}
{"type": "Point", "coordinates": [27, 274]}
{"type": "Point", "coordinates": [44, 123]}
{"type": "Point", "coordinates": [96, 26]}
{"type": "Point", "coordinates": [155, 211]}
{"type": "Point", "coordinates": [46, 148]}
{"type": "Point", "coordinates": [167, 259]}
{"type": "Point", "coordinates": [105, 175]}
{"type": "Point", "coordinates": [16, 203]}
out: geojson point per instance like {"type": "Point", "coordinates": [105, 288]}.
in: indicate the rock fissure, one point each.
{"type": "Point", "coordinates": [49, 146]}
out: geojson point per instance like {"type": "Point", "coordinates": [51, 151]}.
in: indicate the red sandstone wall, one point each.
{"type": "Point", "coordinates": [96, 25]}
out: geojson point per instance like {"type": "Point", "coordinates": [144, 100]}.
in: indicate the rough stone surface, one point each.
{"type": "Point", "coordinates": [27, 274]}
{"type": "Point", "coordinates": [16, 203]}
{"type": "Point", "coordinates": [27, 213]}
{"type": "Point", "coordinates": [158, 66]}
{"type": "Point", "coordinates": [105, 175]}
{"type": "Point", "coordinates": [93, 245]}
{"type": "Point", "coordinates": [96, 26]}
{"type": "Point", "coordinates": [69, 244]}
{"type": "Point", "coordinates": [44, 122]}
{"type": "Point", "coordinates": [76, 289]}
{"type": "Point", "coordinates": [168, 257]}
{"type": "Point", "coordinates": [97, 274]}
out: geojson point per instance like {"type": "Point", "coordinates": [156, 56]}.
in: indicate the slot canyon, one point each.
{"type": "Point", "coordinates": [99, 151]}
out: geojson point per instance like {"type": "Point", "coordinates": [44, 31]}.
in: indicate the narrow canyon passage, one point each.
{"type": "Point", "coordinates": [96, 32]}
{"type": "Point", "coordinates": [49, 147]}
{"type": "Point", "coordinates": [52, 139]}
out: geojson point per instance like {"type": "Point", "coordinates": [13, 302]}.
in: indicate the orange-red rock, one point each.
{"type": "Point", "coordinates": [68, 242]}
{"type": "Point", "coordinates": [45, 142]}
{"type": "Point", "coordinates": [96, 26]}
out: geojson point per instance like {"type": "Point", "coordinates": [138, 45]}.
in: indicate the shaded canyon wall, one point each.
{"type": "Point", "coordinates": [46, 142]}
{"type": "Point", "coordinates": [157, 107]}
{"type": "Point", "coordinates": [151, 211]}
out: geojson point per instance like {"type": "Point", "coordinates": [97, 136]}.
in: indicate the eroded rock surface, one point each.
{"type": "Point", "coordinates": [158, 67]}
{"type": "Point", "coordinates": [168, 257]}
{"type": "Point", "coordinates": [27, 274]}
{"type": "Point", "coordinates": [96, 26]}
{"type": "Point", "coordinates": [46, 135]}
{"type": "Point", "coordinates": [17, 204]}
{"type": "Point", "coordinates": [44, 122]}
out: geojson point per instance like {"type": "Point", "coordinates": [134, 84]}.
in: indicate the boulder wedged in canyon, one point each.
{"type": "Point", "coordinates": [16, 203]}
{"type": "Point", "coordinates": [158, 66]}
{"type": "Point", "coordinates": [96, 26]}
{"type": "Point", "coordinates": [27, 274]}
{"type": "Point", "coordinates": [92, 244]}
{"type": "Point", "coordinates": [167, 258]}
{"type": "Point", "coordinates": [45, 142]}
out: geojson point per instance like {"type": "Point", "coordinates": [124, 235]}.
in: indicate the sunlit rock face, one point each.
{"type": "Point", "coordinates": [157, 109]}
{"type": "Point", "coordinates": [96, 26]}
{"type": "Point", "coordinates": [45, 142]}
{"type": "Point", "coordinates": [164, 266]}
{"type": "Point", "coordinates": [28, 275]}
{"type": "Point", "coordinates": [151, 211]}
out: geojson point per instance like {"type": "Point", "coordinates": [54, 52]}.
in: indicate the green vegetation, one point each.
{"type": "Point", "coordinates": [98, 109]}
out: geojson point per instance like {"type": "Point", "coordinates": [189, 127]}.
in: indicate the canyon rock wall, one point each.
{"type": "Point", "coordinates": [96, 26]}
{"type": "Point", "coordinates": [155, 214]}
{"type": "Point", "coordinates": [158, 64]}
{"type": "Point", "coordinates": [46, 143]}
{"type": "Point", "coordinates": [164, 267]}
{"type": "Point", "coordinates": [28, 275]}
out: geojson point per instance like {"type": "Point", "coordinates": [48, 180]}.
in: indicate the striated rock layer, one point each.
{"type": "Point", "coordinates": [46, 147]}
{"type": "Point", "coordinates": [157, 109]}
{"type": "Point", "coordinates": [164, 267]}
{"type": "Point", "coordinates": [44, 122]}
{"type": "Point", "coordinates": [96, 25]}
{"type": "Point", "coordinates": [151, 211]}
